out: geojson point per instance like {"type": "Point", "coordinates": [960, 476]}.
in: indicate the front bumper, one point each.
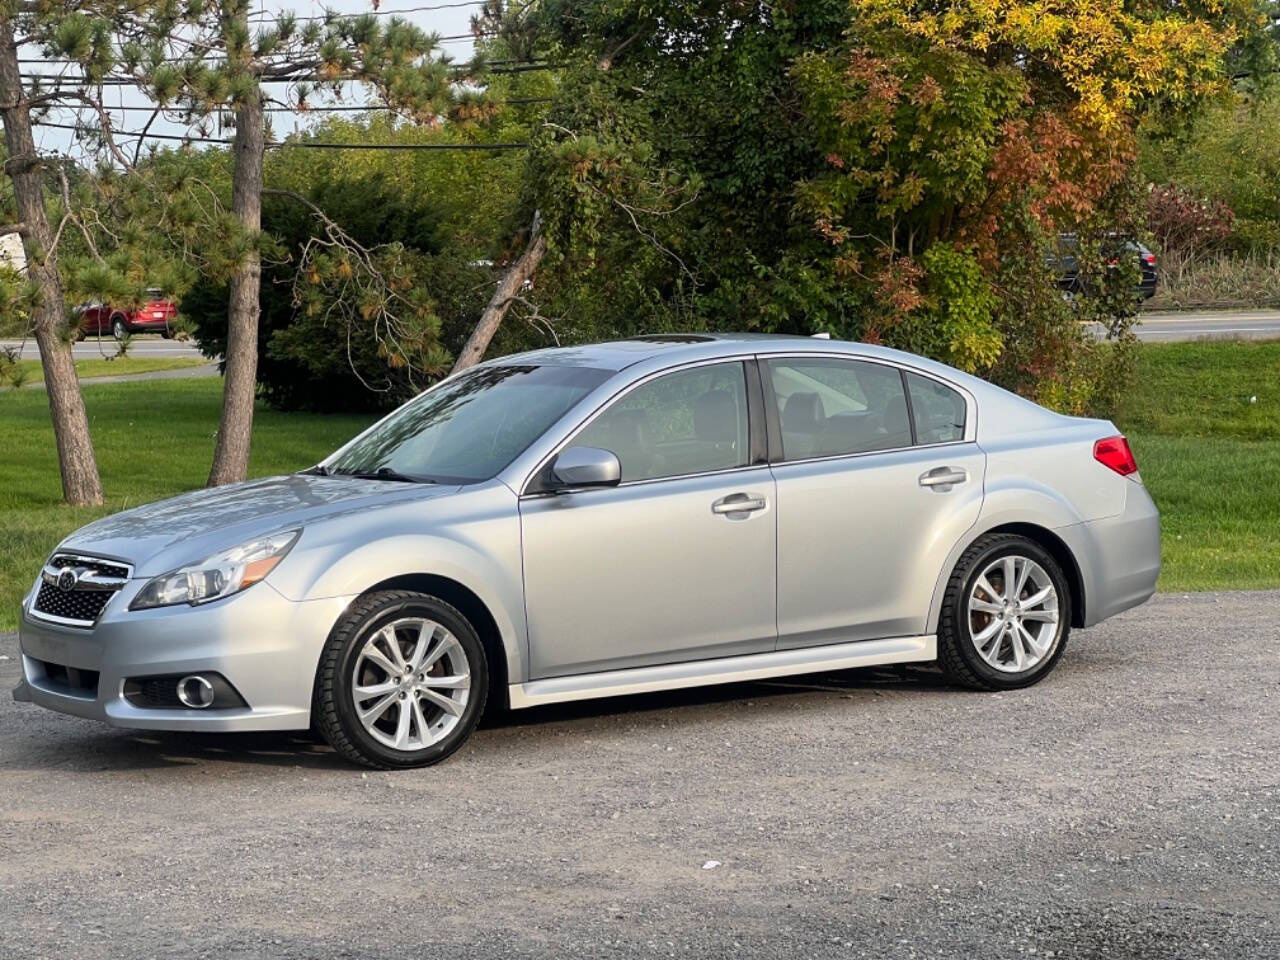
{"type": "Point", "coordinates": [265, 645]}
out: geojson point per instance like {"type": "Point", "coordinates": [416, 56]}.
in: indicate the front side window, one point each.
{"type": "Point", "coordinates": [470, 427]}
{"type": "Point", "coordinates": [829, 406]}
{"type": "Point", "coordinates": [687, 422]}
{"type": "Point", "coordinates": [939, 411]}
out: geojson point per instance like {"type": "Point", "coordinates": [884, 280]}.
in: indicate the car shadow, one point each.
{"type": "Point", "coordinates": [91, 748]}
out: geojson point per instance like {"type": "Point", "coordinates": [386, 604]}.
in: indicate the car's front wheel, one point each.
{"type": "Point", "coordinates": [402, 681]}
{"type": "Point", "coordinates": [1005, 616]}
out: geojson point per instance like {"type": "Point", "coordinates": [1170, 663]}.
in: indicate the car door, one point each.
{"type": "Point", "coordinates": [675, 563]}
{"type": "Point", "coordinates": [877, 478]}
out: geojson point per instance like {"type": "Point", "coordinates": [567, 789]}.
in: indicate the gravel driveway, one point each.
{"type": "Point", "coordinates": [1128, 807]}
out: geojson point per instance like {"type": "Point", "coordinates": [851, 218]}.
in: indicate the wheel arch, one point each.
{"type": "Point", "coordinates": [459, 595]}
{"type": "Point", "coordinates": [1041, 535]}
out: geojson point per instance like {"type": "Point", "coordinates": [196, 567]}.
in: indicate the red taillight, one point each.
{"type": "Point", "coordinates": [1149, 259]}
{"type": "Point", "coordinates": [1114, 452]}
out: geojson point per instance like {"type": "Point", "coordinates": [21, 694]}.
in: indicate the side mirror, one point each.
{"type": "Point", "coordinates": [586, 467]}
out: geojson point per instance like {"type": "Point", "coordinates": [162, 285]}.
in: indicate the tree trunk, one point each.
{"type": "Point", "coordinates": [235, 431]}
{"type": "Point", "coordinates": [508, 288]}
{"type": "Point", "coordinates": [76, 460]}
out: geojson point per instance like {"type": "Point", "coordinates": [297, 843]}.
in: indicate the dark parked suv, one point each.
{"type": "Point", "coordinates": [1066, 262]}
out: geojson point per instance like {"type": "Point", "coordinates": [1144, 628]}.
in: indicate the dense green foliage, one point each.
{"type": "Point", "coordinates": [1230, 154]}
{"type": "Point", "coordinates": [431, 223]}
{"type": "Point", "coordinates": [870, 170]}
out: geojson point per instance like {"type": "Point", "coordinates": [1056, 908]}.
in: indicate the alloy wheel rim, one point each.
{"type": "Point", "coordinates": [410, 683]}
{"type": "Point", "coordinates": [1013, 614]}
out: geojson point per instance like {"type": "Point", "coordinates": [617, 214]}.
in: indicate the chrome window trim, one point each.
{"type": "Point", "coordinates": [970, 427]}
{"type": "Point", "coordinates": [611, 400]}
{"type": "Point", "coordinates": [35, 614]}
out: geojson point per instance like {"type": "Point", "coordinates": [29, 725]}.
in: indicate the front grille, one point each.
{"type": "Point", "coordinates": [82, 605]}
{"type": "Point", "coordinates": [96, 581]}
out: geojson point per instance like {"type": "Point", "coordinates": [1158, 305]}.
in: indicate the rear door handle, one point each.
{"type": "Point", "coordinates": [943, 478]}
{"type": "Point", "coordinates": [739, 503]}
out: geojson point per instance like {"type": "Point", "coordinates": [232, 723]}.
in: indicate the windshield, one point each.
{"type": "Point", "coordinates": [470, 427]}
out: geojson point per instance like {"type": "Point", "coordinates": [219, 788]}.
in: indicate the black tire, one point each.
{"type": "Point", "coordinates": [119, 330]}
{"type": "Point", "coordinates": [957, 655]}
{"type": "Point", "coordinates": [333, 710]}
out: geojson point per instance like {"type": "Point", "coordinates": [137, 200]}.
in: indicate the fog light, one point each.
{"type": "Point", "coordinates": [195, 692]}
{"type": "Point", "coordinates": [207, 690]}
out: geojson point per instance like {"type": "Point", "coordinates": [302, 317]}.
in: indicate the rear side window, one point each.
{"type": "Point", "coordinates": [829, 406]}
{"type": "Point", "coordinates": [939, 411]}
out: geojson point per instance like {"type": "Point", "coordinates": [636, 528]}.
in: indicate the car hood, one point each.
{"type": "Point", "coordinates": [170, 533]}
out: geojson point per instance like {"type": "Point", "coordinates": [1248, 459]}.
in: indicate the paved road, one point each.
{"type": "Point", "coordinates": [1209, 325]}
{"type": "Point", "coordinates": [1126, 809]}
{"type": "Point", "coordinates": [139, 346]}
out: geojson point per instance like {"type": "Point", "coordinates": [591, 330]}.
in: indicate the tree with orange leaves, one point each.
{"type": "Point", "coordinates": [961, 138]}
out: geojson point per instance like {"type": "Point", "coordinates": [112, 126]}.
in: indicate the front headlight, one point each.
{"type": "Point", "coordinates": [218, 576]}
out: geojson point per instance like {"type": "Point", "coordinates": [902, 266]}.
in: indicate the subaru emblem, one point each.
{"type": "Point", "coordinates": [68, 579]}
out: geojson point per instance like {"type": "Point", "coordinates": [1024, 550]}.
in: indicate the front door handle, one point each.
{"type": "Point", "coordinates": [943, 478]}
{"type": "Point", "coordinates": [736, 506]}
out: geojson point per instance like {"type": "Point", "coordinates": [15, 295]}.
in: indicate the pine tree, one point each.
{"type": "Point", "coordinates": [207, 57]}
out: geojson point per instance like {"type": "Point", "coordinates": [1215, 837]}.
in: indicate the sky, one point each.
{"type": "Point", "coordinates": [446, 23]}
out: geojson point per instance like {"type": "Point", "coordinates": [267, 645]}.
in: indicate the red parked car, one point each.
{"type": "Point", "coordinates": [154, 316]}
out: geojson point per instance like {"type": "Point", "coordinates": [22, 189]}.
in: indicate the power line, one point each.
{"type": "Point", "coordinates": [316, 145]}
{"type": "Point", "coordinates": [304, 144]}
{"type": "Point", "coordinates": [301, 111]}
{"type": "Point", "coordinates": [395, 13]}
{"type": "Point", "coordinates": [505, 67]}
{"type": "Point", "coordinates": [453, 38]}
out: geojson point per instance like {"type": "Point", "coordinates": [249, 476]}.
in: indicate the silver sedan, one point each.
{"type": "Point", "coordinates": [664, 512]}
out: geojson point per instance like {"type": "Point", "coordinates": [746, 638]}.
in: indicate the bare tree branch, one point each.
{"type": "Point", "coordinates": [509, 288]}
{"type": "Point", "coordinates": [105, 119]}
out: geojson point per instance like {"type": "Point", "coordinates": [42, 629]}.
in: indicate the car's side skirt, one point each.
{"type": "Point", "coordinates": [701, 673]}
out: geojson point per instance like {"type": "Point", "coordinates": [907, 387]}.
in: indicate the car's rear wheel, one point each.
{"type": "Point", "coordinates": [402, 681]}
{"type": "Point", "coordinates": [1005, 616]}
{"type": "Point", "coordinates": [118, 328]}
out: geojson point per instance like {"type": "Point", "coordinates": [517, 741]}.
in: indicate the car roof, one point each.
{"type": "Point", "coordinates": [681, 347]}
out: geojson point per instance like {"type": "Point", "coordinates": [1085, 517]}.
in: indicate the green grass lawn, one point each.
{"type": "Point", "coordinates": [1210, 457]}
{"type": "Point", "coordinates": [153, 439]}
{"type": "Point", "coordinates": [114, 367]}
{"type": "Point", "coordinates": [1204, 423]}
